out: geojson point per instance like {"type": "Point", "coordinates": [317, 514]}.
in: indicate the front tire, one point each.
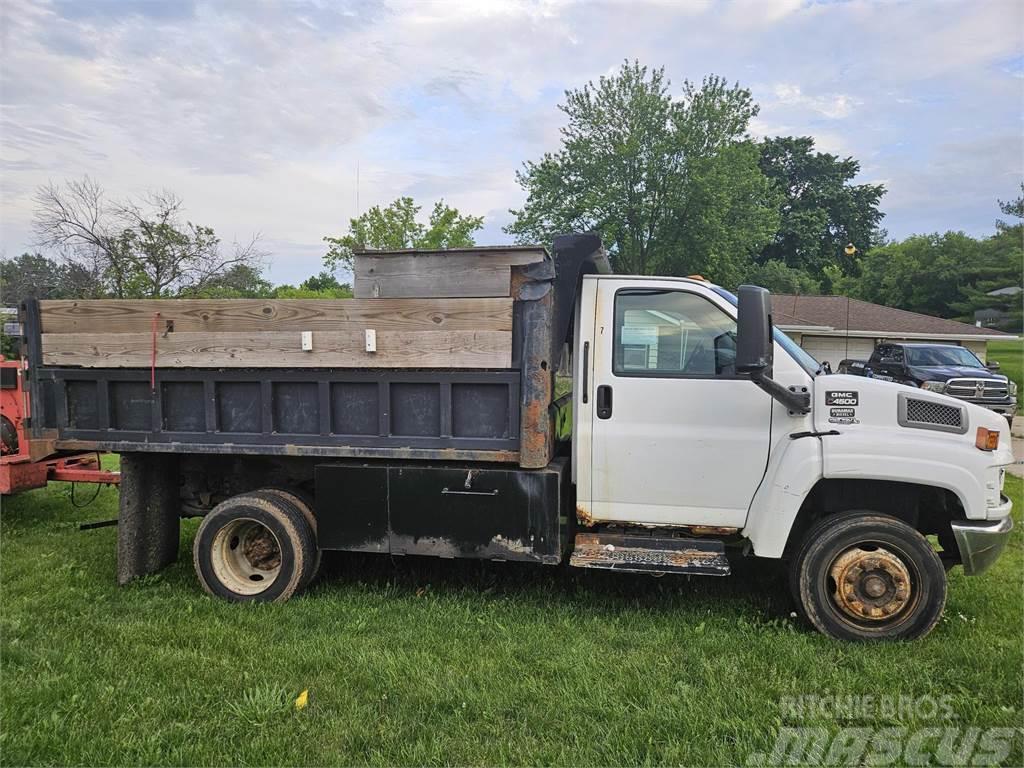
{"type": "Point", "coordinates": [254, 547]}
{"type": "Point", "coordinates": [867, 576]}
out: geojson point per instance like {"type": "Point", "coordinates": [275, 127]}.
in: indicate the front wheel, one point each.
{"type": "Point", "coordinates": [865, 576]}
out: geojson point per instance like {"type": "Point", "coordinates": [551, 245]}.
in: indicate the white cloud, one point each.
{"type": "Point", "coordinates": [834, 106]}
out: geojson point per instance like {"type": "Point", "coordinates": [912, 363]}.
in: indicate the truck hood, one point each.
{"type": "Point", "coordinates": [945, 372]}
{"type": "Point", "coordinates": [853, 403]}
{"type": "Point", "coordinates": [886, 431]}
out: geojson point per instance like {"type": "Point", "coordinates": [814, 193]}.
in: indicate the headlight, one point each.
{"type": "Point", "coordinates": [934, 386]}
{"type": "Point", "coordinates": [1012, 388]}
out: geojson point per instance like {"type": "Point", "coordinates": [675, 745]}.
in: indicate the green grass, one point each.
{"type": "Point", "coordinates": [417, 661]}
{"type": "Point", "coordinates": [1009, 354]}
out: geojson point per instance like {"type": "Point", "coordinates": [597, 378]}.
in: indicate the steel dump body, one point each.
{"type": "Point", "coordinates": [230, 377]}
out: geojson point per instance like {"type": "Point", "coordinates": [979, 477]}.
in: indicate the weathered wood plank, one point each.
{"type": "Point", "coordinates": [447, 275]}
{"type": "Point", "coordinates": [238, 315]}
{"type": "Point", "coordinates": [281, 349]}
{"type": "Point", "coordinates": [512, 255]}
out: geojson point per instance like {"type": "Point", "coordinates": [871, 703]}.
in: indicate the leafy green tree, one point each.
{"type": "Point", "coordinates": [999, 267]}
{"type": "Point", "coordinates": [326, 282]}
{"type": "Point", "coordinates": [37, 276]}
{"type": "Point", "coordinates": [671, 184]}
{"type": "Point", "coordinates": [821, 208]}
{"type": "Point", "coordinates": [396, 227]}
{"type": "Point", "coordinates": [778, 278]}
{"type": "Point", "coordinates": [242, 281]}
{"type": "Point", "coordinates": [924, 273]}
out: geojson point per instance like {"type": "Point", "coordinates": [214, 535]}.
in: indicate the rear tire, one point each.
{"type": "Point", "coordinates": [305, 507]}
{"type": "Point", "coordinates": [253, 547]}
{"type": "Point", "coordinates": [867, 576]}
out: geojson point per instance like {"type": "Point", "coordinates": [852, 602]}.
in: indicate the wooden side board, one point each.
{"type": "Point", "coordinates": [454, 275]}
{"type": "Point", "coordinates": [238, 315]}
{"type": "Point", "coordinates": [282, 349]}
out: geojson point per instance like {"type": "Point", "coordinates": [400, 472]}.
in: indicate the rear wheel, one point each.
{"type": "Point", "coordinates": [865, 576]}
{"type": "Point", "coordinates": [305, 507]}
{"type": "Point", "coordinates": [253, 547]}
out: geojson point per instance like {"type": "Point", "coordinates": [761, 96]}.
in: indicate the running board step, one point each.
{"type": "Point", "coordinates": [650, 554]}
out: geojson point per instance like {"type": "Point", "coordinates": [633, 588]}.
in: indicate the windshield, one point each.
{"type": "Point", "coordinates": [798, 353]}
{"type": "Point", "coordinates": [931, 357]}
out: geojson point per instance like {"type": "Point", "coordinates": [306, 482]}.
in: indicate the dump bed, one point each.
{"type": "Point", "coordinates": [440, 355]}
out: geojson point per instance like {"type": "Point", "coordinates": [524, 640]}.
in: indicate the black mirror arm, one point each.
{"type": "Point", "coordinates": [798, 402]}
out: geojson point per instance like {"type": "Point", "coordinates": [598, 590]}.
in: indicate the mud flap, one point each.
{"type": "Point", "coordinates": [148, 519]}
{"type": "Point", "coordinates": [650, 554]}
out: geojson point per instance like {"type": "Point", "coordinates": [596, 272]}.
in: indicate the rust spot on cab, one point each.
{"type": "Point", "coordinates": [583, 516]}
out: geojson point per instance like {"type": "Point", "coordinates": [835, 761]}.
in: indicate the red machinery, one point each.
{"type": "Point", "coordinates": [26, 462]}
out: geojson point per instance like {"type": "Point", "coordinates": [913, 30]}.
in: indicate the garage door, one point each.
{"type": "Point", "coordinates": [833, 349]}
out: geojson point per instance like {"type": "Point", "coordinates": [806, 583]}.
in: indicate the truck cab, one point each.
{"type": "Point", "coordinates": [680, 430]}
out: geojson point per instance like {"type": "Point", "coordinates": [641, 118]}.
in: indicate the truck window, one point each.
{"type": "Point", "coordinates": [671, 333]}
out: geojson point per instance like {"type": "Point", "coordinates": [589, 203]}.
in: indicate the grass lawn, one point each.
{"type": "Point", "coordinates": [418, 661]}
{"type": "Point", "coordinates": [1009, 354]}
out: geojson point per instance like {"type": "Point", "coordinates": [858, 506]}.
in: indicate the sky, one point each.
{"type": "Point", "coordinates": [263, 115]}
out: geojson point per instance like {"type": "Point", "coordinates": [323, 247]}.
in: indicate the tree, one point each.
{"type": "Point", "coordinates": [32, 275]}
{"type": "Point", "coordinates": [141, 249]}
{"type": "Point", "coordinates": [670, 184]}
{"type": "Point", "coordinates": [924, 273]}
{"type": "Point", "coordinates": [322, 286]}
{"type": "Point", "coordinates": [325, 282]}
{"type": "Point", "coordinates": [999, 267]}
{"type": "Point", "coordinates": [950, 275]}
{"type": "Point", "coordinates": [821, 209]}
{"type": "Point", "coordinates": [241, 281]}
{"type": "Point", "coordinates": [778, 278]}
{"type": "Point", "coordinates": [396, 227]}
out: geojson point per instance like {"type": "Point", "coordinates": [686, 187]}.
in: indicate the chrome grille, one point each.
{"type": "Point", "coordinates": [921, 413]}
{"type": "Point", "coordinates": [977, 389]}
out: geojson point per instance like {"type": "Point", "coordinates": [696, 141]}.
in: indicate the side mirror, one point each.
{"type": "Point", "coordinates": [992, 365]}
{"type": "Point", "coordinates": [754, 331]}
{"type": "Point", "coordinates": [755, 346]}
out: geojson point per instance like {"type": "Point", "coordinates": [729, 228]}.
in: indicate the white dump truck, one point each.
{"type": "Point", "coordinates": [420, 418]}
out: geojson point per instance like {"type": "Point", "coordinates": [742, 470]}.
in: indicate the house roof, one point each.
{"type": "Point", "coordinates": [838, 315]}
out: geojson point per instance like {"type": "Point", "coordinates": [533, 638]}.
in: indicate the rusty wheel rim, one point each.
{"type": "Point", "coordinates": [871, 585]}
{"type": "Point", "coordinates": [246, 556]}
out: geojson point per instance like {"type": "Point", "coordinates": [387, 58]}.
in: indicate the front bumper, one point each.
{"type": "Point", "coordinates": [1005, 407]}
{"type": "Point", "coordinates": [981, 542]}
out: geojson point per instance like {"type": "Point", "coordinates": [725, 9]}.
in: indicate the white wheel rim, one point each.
{"type": "Point", "coordinates": [246, 556]}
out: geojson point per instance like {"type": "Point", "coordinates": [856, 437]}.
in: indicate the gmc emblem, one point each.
{"type": "Point", "coordinates": [841, 398]}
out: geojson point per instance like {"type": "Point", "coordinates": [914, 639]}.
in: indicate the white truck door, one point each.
{"type": "Point", "coordinates": [677, 437]}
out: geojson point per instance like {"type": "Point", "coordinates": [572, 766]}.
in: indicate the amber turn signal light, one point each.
{"type": "Point", "coordinates": [987, 439]}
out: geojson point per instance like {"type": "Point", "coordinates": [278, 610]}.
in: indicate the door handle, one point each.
{"type": "Point", "coordinates": [604, 402]}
